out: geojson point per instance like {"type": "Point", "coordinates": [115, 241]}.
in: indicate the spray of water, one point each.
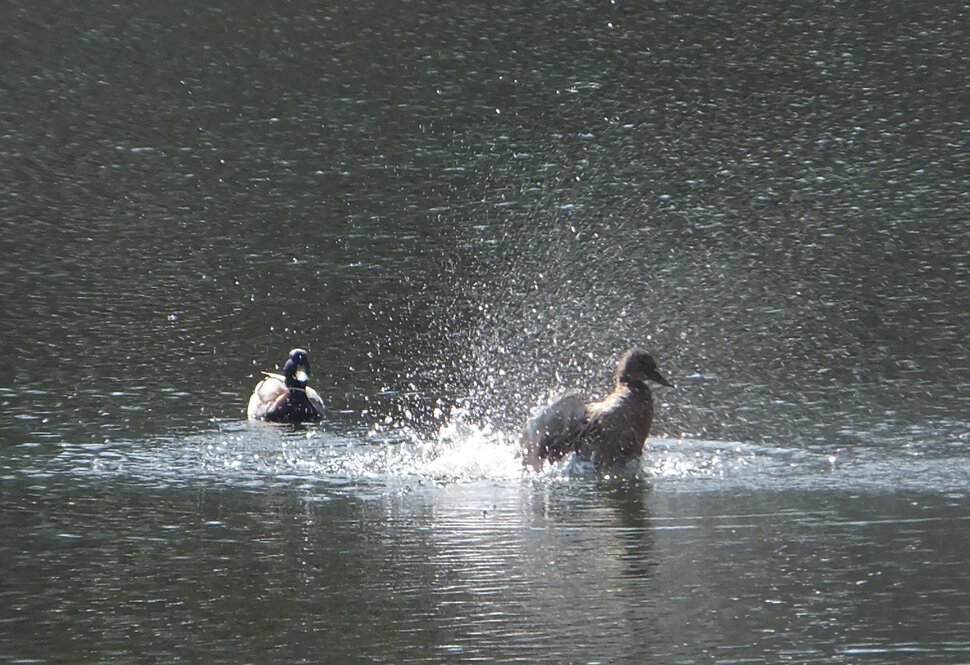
{"type": "Point", "coordinates": [548, 303]}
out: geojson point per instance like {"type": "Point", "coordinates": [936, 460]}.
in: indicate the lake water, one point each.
{"type": "Point", "coordinates": [459, 210]}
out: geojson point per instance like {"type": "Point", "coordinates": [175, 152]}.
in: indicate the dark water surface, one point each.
{"type": "Point", "coordinates": [457, 210]}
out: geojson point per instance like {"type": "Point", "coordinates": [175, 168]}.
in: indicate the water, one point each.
{"type": "Point", "coordinates": [459, 210]}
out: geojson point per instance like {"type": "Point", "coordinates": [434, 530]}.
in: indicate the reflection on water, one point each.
{"type": "Point", "coordinates": [411, 568]}
{"type": "Point", "coordinates": [485, 207]}
{"type": "Point", "coordinates": [295, 542]}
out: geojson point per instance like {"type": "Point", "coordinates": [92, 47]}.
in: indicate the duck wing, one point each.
{"type": "Point", "coordinates": [316, 401]}
{"type": "Point", "coordinates": [552, 430]}
{"type": "Point", "coordinates": [265, 395]}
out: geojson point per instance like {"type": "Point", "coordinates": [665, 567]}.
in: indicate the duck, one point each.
{"type": "Point", "coordinates": [608, 433]}
{"type": "Point", "coordinates": [286, 397]}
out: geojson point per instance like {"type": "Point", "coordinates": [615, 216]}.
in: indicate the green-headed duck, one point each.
{"type": "Point", "coordinates": [607, 433]}
{"type": "Point", "coordinates": [286, 397]}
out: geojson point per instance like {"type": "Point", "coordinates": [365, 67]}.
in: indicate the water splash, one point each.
{"type": "Point", "coordinates": [254, 455]}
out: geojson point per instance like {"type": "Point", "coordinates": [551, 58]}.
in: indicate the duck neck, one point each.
{"type": "Point", "coordinates": [293, 384]}
{"type": "Point", "coordinates": [636, 385]}
{"type": "Point", "coordinates": [637, 390]}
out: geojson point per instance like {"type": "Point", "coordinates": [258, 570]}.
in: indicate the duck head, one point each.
{"type": "Point", "coordinates": [638, 366]}
{"type": "Point", "coordinates": [297, 369]}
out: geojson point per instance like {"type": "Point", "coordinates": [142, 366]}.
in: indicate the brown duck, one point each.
{"type": "Point", "coordinates": [607, 433]}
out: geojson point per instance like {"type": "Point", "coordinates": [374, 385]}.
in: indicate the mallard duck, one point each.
{"type": "Point", "coordinates": [285, 397]}
{"type": "Point", "coordinates": [607, 433]}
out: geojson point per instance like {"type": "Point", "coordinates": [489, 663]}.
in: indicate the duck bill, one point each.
{"type": "Point", "coordinates": [662, 381]}
{"type": "Point", "coordinates": [301, 375]}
